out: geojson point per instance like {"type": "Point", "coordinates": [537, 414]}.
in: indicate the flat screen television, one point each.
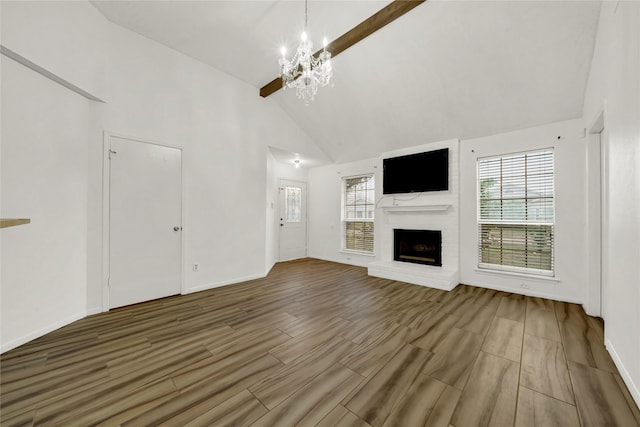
{"type": "Point", "coordinates": [416, 173]}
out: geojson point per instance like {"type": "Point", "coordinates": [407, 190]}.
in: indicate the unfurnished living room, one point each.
{"type": "Point", "coordinates": [320, 213]}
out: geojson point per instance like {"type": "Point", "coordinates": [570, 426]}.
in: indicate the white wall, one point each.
{"type": "Point", "coordinates": [289, 171]}
{"type": "Point", "coordinates": [153, 93]}
{"type": "Point", "coordinates": [271, 238]}
{"type": "Point", "coordinates": [45, 134]}
{"type": "Point", "coordinates": [67, 38]}
{"type": "Point", "coordinates": [224, 128]}
{"type": "Point", "coordinates": [447, 221]}
{"type": "Point", "coordinates": [570, 217]}
{"type": "Point", "coordinates": [570, 161]}
{"type": "Point", "coordinates": [325, 209]}
{"type": "Point", "coordinates": [277, 170]}
{"type": "Point", "coordinates": [44, 177]}
{"type": "Point", "coordinates": [614, 86]}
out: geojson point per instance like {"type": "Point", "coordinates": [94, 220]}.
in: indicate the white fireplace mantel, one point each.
{"type": "Point", "coordinates": [415, 208]}
{"type": "Point", "coordinates": [435, 211]}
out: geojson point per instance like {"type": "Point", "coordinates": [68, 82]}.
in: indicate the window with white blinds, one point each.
{"type": "Point", "coordinates": [358, 213]}
{"type": "Point", "coordinates": [516, 212]}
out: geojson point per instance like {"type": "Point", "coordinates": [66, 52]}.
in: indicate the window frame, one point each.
{"type": "Point", "coordinates": [286, 218]}
{"type": "Point", "coordinates": [526, 271]}
{"type": "Point", "coordinates": [344, 220]}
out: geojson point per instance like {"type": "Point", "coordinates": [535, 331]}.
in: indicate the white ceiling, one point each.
{"type": "Point", "coordinates": [447, 69]}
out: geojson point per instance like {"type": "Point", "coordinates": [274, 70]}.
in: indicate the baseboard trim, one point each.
{"type": "Point", "coordinates": [40, 332]}
{"type": "Point", "coordinates": [342, 261]}
{"type": "Point", "coordinates": [634, 390]}
{"type": "Point", "coordinates": [224, 283]}
{"type": "Point", "coordinates": [421, 275]}
{"type": "Point", "coordinates": [526, 292]}
{"type": "Point", "coordinates": [94, 310]}
{"type": "Point", "coordinates": [268, 270]}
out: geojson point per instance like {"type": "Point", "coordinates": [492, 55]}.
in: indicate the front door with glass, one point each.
{"type": "Point", "coordinates": [293, 220]}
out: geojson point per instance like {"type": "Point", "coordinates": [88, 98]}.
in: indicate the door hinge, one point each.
{"type": "Point", "coordinates": [112, 152]}
{"type": "Point", "coordinates": [108, 282]}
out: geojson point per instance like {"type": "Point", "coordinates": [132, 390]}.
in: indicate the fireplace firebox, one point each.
{"type": "Point", "coordinates": [418, 246]}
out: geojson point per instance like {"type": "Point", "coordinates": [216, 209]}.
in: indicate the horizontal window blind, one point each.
{"type": "Point", "coordinates": [358, 213]}
{"type": "Point", "coordinates": [358, 236]}
{"type": "Point", "coordinates": [516, 212]}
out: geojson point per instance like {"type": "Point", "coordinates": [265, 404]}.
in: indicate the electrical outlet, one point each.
{"type": "Point", "coordinates": [195, 267]}
{"type": "Point", "coordinates": [524, 286]}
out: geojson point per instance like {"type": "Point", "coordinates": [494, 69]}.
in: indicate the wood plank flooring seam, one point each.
{"type": "Point", "coordinates": [484, 337]}
{"type": "Point", "coordinates": [323, 343]}
{"type": "Point", "coordinates": [346, 367]}
{"type": "Point", "coordinates": [289, 335]}
{"type": "Point", "coordinates": [524, 331]}
{"type": "Point", "coordinates": [573, 387]}
{"type": "Point", "coordinates": [547, 395]}
{"type": "Point", "coordinates": [627, 395]}
{"type": "Point", "coordinates": [515, 407]}
{"type": "Point", "coordinates": [256, 397]}
{"type": "Point", "coordinates": [493, 399]}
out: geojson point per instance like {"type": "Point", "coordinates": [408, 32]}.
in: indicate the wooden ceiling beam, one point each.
{"type": "Point", "coordinates": [384, 16]}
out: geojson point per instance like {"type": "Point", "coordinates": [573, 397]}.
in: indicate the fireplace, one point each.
{"type": "Point", "coordinates": [418, 246]}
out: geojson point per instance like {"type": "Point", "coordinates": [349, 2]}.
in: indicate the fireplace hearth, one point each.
{"type": "Point", "coordinates": [418, 246]}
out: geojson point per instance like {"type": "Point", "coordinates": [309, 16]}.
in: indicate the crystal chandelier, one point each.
{"type": "Point", "coordinates": [306, 72]}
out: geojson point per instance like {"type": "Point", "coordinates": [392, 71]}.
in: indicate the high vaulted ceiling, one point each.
{"type": "Point", "coordinates": [446, 69]}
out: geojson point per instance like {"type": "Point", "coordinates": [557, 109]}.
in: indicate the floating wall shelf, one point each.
{"type": "Point", "coordinates": [12, 222]}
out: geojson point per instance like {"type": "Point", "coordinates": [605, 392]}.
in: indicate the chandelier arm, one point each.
{"type": "Point", "coordinates": [296, 60]}
{"type": "Point", "coordinates": [306, 71]}
{"type": "Point", "coordinates": [383, 17]}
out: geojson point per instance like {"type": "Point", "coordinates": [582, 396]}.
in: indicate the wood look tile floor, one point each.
{"type": "Point", "coordinates": [319, 343]}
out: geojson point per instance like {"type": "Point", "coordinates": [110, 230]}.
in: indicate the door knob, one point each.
{"type": "Point", "coordinates": [177, 228]}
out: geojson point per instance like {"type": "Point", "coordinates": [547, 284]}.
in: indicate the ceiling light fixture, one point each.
{"type": "Point", "coordinates": [296, 163]}
{"type": "Point", "coordinates": [306, 72]}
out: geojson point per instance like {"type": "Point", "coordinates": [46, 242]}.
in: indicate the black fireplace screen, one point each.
{"type": "Point", "coordinates": [418, 246]}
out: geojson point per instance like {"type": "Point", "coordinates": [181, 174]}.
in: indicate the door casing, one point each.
{"type": "Point", "coordinates": [281, 212]}
{"type": "Point", "coordinates": [597, 188]}
{"type": "Point", "coordinates": [106, 209]}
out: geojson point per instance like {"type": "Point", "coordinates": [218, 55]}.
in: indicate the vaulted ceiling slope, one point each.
{"type": "Point", "coordinates": [447, 69]}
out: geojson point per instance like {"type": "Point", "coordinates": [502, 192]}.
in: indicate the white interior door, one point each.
{"type": "Point", "coordinates": [293, 220]}
{"type": "Point", "coordinates": [145, 225]}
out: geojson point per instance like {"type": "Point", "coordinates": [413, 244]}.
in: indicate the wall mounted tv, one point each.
{"type": "Point", "coordinates": [416, 173]}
